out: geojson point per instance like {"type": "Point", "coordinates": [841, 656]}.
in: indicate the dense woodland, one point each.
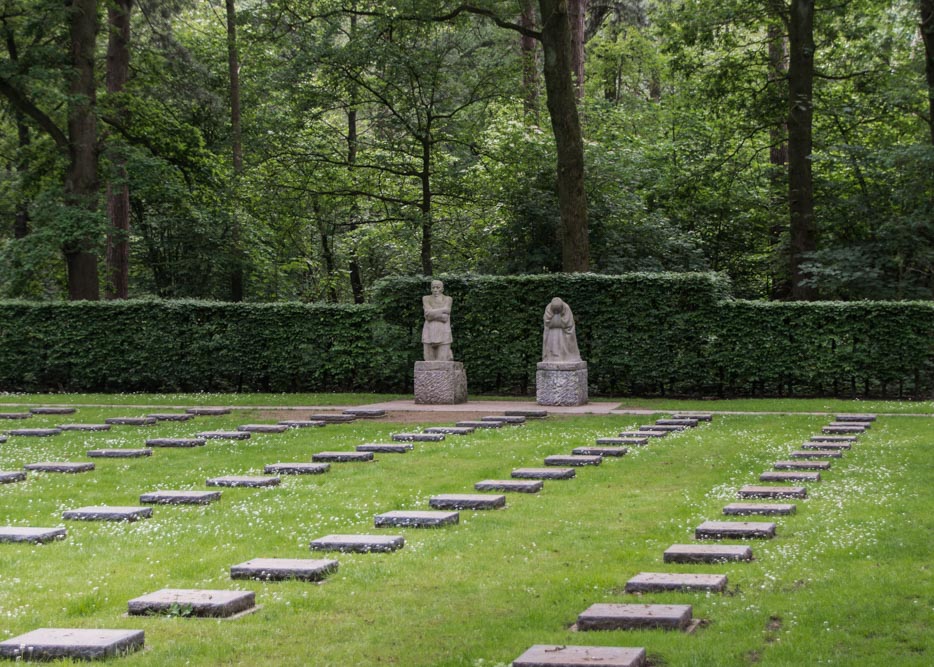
{"type": "Point", "coordinates": [272, 150]}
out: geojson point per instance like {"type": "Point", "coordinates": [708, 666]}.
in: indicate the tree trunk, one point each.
{"type": "Point", "coordinates": [427, 225]}
{"type": "Point", "coordinates": [233, 67]}
{"type": "Point", "coordinates": [565, 122]}
{"type": "Point", "coordinates": [356, 280]}
{"type": "Point", "coordinates": [778, 159]}
{"type": "Point", "coordinates": [800, 117]}
{"type": "Point", "coordinates": [927, 32]}
{"type": "Point", "coordinates": [81, 184]}
{"type": "Point", "coordinates": [529, 47]}
{"type": "Point", "coordinates": [118, 191]}
{"type": "Point", "coordinates": [577, 10]}
{"type": "Point", "coordinates": [21, 221]}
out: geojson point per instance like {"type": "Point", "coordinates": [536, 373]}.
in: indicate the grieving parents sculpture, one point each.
{"type": "Point", "coordinates": [436, 332]}
{"type": "Point", "coordinates": [561, 378]}
{"type": "Point", "coordinates": [559, 339]}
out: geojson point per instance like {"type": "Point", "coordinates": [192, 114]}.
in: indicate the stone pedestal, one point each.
{"type": "Point", "coordinates": [440, 382]}
{"type": "Point", "coordinates": [561, 383]}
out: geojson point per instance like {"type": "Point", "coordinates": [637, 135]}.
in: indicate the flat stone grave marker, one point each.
{"type": "Point", "coordinates": [624, 440]}
{"type": "Point", "coordinates": [107, 513]}
{"type": "Point", "coordinates": [762, 509]}
{"type": "Point", "coordinates": [451, 430]}
{"type": "Point", "coordinates": [263, 428]}
{"type": "Point", "coordinates": [717, 530]}
{"type": "Point", "coordinates": [506, 419]}
{"type": "Point", "coordinates": [855, 418]}
{"type": "Point", "coordinates": [342, 457]}
{"type": "Point", "coordinates": [119, 453]}
{"type": "Point", "coordinates": [59, 466]}
{"type": "Point", "coordinates": [15, 415]}
{"type": "Point", "coordinates": [833, 438]}
{"type": "Point", "coordinates": [801, 465]}
{"type": "Point", "coordinates": [418, 437]}
{"type": "Point", "coordinates": [84, 427]}
{"type": "Point", "coordinates": [175, 442]}
{"type": "Point", "coordinates": [297, 468]}
{"type": "Point", "coordinates": [416, 519]}
{"type": "Point", "coordinates": [208, 412]}
{"type": "Point", "coordinates": [385, 448]}
{"type": "Point", "coordinates": [706, 553]}
{"type": "Point", "coordinates": [358, 543]}
{"type": "Point", "coordinates": [366, 413]}
{"type": "Point", "coordinates": [662, 427]}
{"type": "Point", "coordinates": [690, 423]}
{"type": "Point", "coordinates": [480, 424]}
{"type": "Point", "coordinates": [466, 501]}
{"type": "Point", "coordinates": [52, 411]}
{"type": "Point", "coordinates": [34, 432]}
{"type": "Point", "coordinates": [855, 424]}
{"type": "Point", "coordinates": [600, 451]}
{"type": "Point", "coordinates": [826, 445]}
{"type": "Point", "coordinates": [842, 430]}
{"type": "Point", "coordinates": [643, 434]}
{"type": "Point", "coordinates": [699, 416]}
{"type": "Point", "coordinates": [543, 473]}
{"type": "Point", "coordinates": [10, 476]}
{"type": "Point", "coordinates": [302, 423]}
{"type": "Point", "coordinates": [553, 655]}
{"type": "Point", "coordinates": [528, 414]}
{"type": "Point", "coordinates": [192, 602]}
{"type": "Point", "coordinates": [78, 644]}
{"type": "Point", "coordinates": [654, 582]}
{"type": "Point", "coordinates": [130, 421]}
{"type": "Point", "coordinates": [790, 476]}
{"type": "Point", "coordinates": [572, 460]}
{"type": "Point", "coordinates": [246, 481]}
{"type": "Point", "coordinates": [332, 418]}
{"type": "Point", "coordinates": [516, 485]}
{"type": "Point", "coordinates": [32, 535]}
{"type": "Point", "coordinates": [180, 497]}
{"type": "Point", "coordinates": [817, 454]}
{"type": "Point", "coordinates": [753, 491]}
{"type": "Point", "coordinates": [171, 416]}
{"type": "Point", "coordinates": [3, 438]}
{"type": "Point", "coordinates": [224, 435]}
{"type": "Point", "coordinates": [604, 616]}
{"type": "Point", "coordinates": [282, 569]}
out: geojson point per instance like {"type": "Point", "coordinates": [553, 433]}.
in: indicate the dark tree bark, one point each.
{"type": "Point", "coordinates": [565, 122]}
{"type": "Point", "coordinates": [21, 218]}
{"type": "Point", "coordinates": [577, 11]}
{"type": "Point", "coordinates": [81, 184]}
{"type": "Point", "coordinates": [778, 157]}
{"type": "Point", "coordinates": [529, 48]}
{"type": "Point", "coordinates": [356, 280]}
{"type": "Point", "coordinates": [927, 32]}
{"type": "Point", "coordinates": [118, 191]}
{"type": "Point", "coordinates": [803, 229]}
{"type": "Point", "coordinates": [233, 66]}
{"type": "Point", "coordinates": [425, 206]}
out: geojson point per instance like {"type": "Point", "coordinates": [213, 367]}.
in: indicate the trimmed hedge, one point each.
{"type": "Point", "coordinates": [670, 334]}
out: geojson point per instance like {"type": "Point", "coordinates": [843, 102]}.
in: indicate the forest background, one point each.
{"type": "Point", "coordinates": [303, 149]}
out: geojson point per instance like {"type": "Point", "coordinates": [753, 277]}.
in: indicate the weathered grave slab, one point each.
{"type": "Point", "coordinates": [192, 602]}
{"type": "Point", "coordinates": [842, 430]}
{"type": "Point", "coordinates": [358, 543]}
{"type": "Point", "coordinates": [690, 423]}
{"type": "Point", "coordinates": [208, 412]}
{"type": "Point", "coordinates": [654, 582]}
{"type": "Point", "coordinates": [753, 491]}
{"type": "Point", "coordinates": [603, 616]}
{"type": "Point", "coordinates": [506, 419]}
{"type": "Point", "coordinates": [479, 424]}
{"type": "Point", "coordinates": [84, 427]}
{"type": "Point", "coordinates": [643, 434]}
{"type": "Point", "coordinates": [130, 421]}
{"type": "Point", "coordinates": [855, 418]}
{"type": "Point", "coordinates": [817, 454]}
{"type": "Point", "coordinates": [801, 465]}
{"type": "Point", "coordinates": [77, 644]}
{"type": "Point", "coordinates": [554, 655]}
{"type": "Point", "coordinates": [59, 466]}
{"type": "Point", "coordinates": [263, 428]}
{"type": "Point", "coordinates": [332, 418]}
{"type": "Point", "coordinates": [52, 411]}
{"type": "Point", "coordinates": [385, 448]}
{"type": "Point", "coordinates": [790, 476]}
{"type": "Point", "coordinates": [247, 481]}
{"type": "Point", "coordinates": [175, 442]}
{"type": "Point", "coordinates": [528, 414]}
{"type": "Point", "coordinates": [855, 424]}
{"type": "Point", "coordinates": [171, 416]}
{"type": "Point", "coordinates": [119, 453]}
{"type": "Point", "coordinates": [624, 440]}
{"type": "Point", "coordinates": [699, 416]}
{"type": "Point", "coordinates": [572, 460]}
{"type": "Point", "coordinates": [10, 476]}
{"type": "Point", "coordinates": [600, 451]}
{"type": "Point", "coordinates": [224, 435]}
{"type": "Point", "coordinates": [34, 432]}
{"type": "Point", "coordinates": [761, 509]}
{"type": "Point", "coordinates": [518, 486]}
{"type": "Point", "coordinates": [180, 497]}
{"type": "Point", "coordinates": [3, 438]}
{"type": "Point", "coordinates": [31, 535]}
{"type": "Point", "coordinates": [418, 437]}
{"type": "Point", "coordinates": [662, 427]}
{"type": "Point", "coordinates": [282, 569]}
{"type": "Point", "coordinates": [302, 423]}
{"type": "Point", "coordinates": [366, 413]}
{"type": "Point", "coordinates": [717, 530]}
{"type": "Point", "coordinates": [466, 501]}
{"type": "Point", "coordinates": [107, 513]}
{"type": "Point", "coordinates": [833, 438]}
{"type": "Point", "coordinates": [826, 445]}
{"type": "Point", "coordinates": [342, 457]}
{"type": "Point", "coordinates": [451, 430]}
{"type": "Point", "coordinates": [706, 553]}
{"type": "Point", "coordinates": [15, 415]}
{"type": "Point", "coordinates": [543, 473]}
{"type": "Point", "coordinates": [297, 468]}
{"type": "Point", "coordinates": [416, 519]}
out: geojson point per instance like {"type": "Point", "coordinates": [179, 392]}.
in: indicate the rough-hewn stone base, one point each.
{"type": "Point", "coordinates": [561, 383]}
{"type": "Point", "coordinates": [440, 382]}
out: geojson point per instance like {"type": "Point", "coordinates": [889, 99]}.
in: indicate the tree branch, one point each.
{"type": "Point", "coordinates": [22, 104]}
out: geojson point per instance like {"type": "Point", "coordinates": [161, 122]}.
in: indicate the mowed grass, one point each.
{"type": "Point", "coordinates": [847, 581]}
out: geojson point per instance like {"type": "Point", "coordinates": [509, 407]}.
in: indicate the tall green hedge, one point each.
{"type": "Point", "coordinates": [671, 334]}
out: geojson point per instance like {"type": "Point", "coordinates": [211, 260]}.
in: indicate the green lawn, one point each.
{"type": "Point", "coordinates": [847, 581]}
